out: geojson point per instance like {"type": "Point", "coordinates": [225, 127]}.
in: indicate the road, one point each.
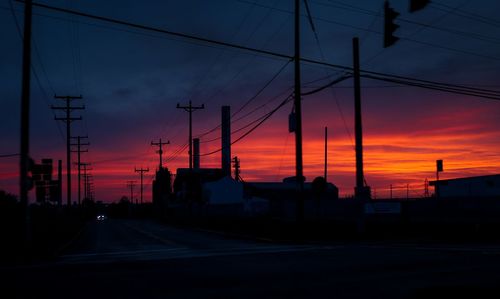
{"type": "Point", "coordinates": [144, 259]}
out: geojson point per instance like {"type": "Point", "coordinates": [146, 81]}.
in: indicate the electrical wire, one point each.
{"type": "Point", "coordinates": [266, 117]}
{"type": "Point", "coordinates": [35, 73]}
{"type": "Point", "coordinates": [381, 33]}
{"type": "Point", "coordinates": [205, 40]}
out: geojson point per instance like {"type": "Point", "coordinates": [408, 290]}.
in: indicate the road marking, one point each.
{"type": "Point", "coordinates": [482, 250]}
{"type": "Point", "coordinates": [120, 252]}
{"type": "Point", "coordinates": [151, 235]}
{"type": "Point", "coordinates": [178, 253]}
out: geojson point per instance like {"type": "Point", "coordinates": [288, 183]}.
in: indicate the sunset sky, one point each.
{"type": "Point", "coordinates": [131, 81]}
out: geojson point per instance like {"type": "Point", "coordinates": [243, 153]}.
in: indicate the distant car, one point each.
{"type": "Point", "coordinates": [101, 217]}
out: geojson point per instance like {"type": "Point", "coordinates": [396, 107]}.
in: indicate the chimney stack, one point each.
{"type": "Point", "coordinates": [196, 154]}
{"type": "Point", "coordinates": [226, 140]}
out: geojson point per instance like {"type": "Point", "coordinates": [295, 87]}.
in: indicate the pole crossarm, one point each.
{"type": "Point", "coordinates": [131, 185]}
{"type": "Point", "coordinates": [160, 145]}
{"type": "Point", "coordinates": [68, 119]}
{"type": "Point", "coordinates": [141, 171]}
{"type": "Point", "coordinates": [79, 150]}
{"type": "Point", "coordinates": [190, 109]}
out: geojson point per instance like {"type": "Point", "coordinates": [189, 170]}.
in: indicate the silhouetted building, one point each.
{"type": "Point", "coordinates": [46, 189]}
{"type": "Point", "coordinates": [288, 189]}
{"type": "Point", "coordinates": [478, 186]}
{"type": "Point", "coordinates": [281, 197]}
{"type": "Point", "coordinates": [188, 183]}
{"type": "Point", "coordinates": [162, 187]}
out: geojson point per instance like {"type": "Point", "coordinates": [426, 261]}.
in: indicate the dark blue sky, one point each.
{"type": "Point", "coordinates": [131, 79]}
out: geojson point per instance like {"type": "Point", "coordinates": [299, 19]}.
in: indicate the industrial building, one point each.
{"type": "Point", "coordinates": [478, 186]}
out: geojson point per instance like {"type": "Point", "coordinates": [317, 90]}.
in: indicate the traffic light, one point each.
{"type": "Point", "coordinates": [389, 26]}
{"type": "Point", "coordinates": [418, 4]}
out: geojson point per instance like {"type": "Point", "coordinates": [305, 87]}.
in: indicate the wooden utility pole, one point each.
{"type": "Point", "coordinates": [68, 119]}
{"type": "Point", "coordinates": [190, 110]}
{"type": "Point", "coordinates": [160, 144]}
{"type": "Point", "coordinates": [78, 145]}
{"type": "Point", "coordinates": [85, 177]}
{"type": "Point", "coordinates": [131, 184]}
{"type": "Point", "coordinates": [237, 167]}
{"type": "Point", "coordinates": [24, 159]}
{"type": "Point", "coordinates": [141, 171]}
{"type": "Point", "coordinates": [360, 191]}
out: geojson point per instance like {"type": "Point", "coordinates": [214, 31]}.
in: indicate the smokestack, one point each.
{"type": "Point", "coordinates": [196, 154]}
{"type": "Point", "coordinates": [226, 140]}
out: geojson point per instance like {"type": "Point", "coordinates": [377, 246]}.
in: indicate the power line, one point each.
{"type": "Point", "coordinates": [159, 30]}
{"type": "Point", "coordinates": [266, 117]}
{"type": "Point", "coordinates": [262, 89]}
{"type": "Point", "coordinates": [210, 41]}
{"type": "Point", "coordinates": [246, 115]}
{"type": "Point", "coordinates": [190, 109]}
{"type": "Point", "coordinates": [141, 171]}
{"type": "Point", "coordinates": [358, 9]}
{"type": "Point", "coordinates": [221, 53]}
{"type": "Point", "coordinates": [68, 119]}
{"type": "Point", "coordinates": [35, 73]}
{"type": "Point", "coordinates": [259, 92]}
{"type": "Point", "coordinates": [381, 33]}
{"type": "Point", "coordinates": [250, 62]}
{"type": "Point", "coordinates": [465, 14]}
{"type": "Point", "coordinates": [433, 87]}
{"type": "Point", "coordinates": [9, 155]}
{"type": "Point", "coordinates": [160, 145]}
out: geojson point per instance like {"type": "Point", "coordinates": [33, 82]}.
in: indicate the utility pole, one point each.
{"type": "Point", "coordinates": [141, 171]}
{"type": "Point", "coordinates": [86, 185]}
{"type": "Point", "coordinates": [160, 144]}
{"type": "Point", "coordinates": [131, 184]}
{"type": "Point", "coordinates": [90, 185]}
{"type": "Point", "coordinates": [68, 119]}
{"type": "Point", "coordinates": [361, 192]}
{"type": "Point", "coordinates": [426, 188]}
{"type": "Point", "coordinates": [85, 177]}
{"type": "Point", "coordinates": [237, 167]}
{"type": "Point", "coordinates": [190, 109]}
{"type": "Point", "coordinates": [25, 121]}
{"type": "Point", "coordinates": [298, 117]}
{"type": "Point", "coordinates": [79, 151]}
{"type": "Point", "coordinates": [326, 152]}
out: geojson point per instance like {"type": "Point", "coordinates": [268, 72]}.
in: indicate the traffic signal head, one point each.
{"type": "Point", "coordinates": [418, 4]}
{"type": "Point", "coordinates": [389, 26]}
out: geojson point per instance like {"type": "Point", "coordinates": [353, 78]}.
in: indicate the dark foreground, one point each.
{"type": "Point", "coordinates": [143, 259]}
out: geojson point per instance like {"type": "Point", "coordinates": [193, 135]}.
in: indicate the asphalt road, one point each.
{"type": "Point", "coordinates": [144, 259]}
